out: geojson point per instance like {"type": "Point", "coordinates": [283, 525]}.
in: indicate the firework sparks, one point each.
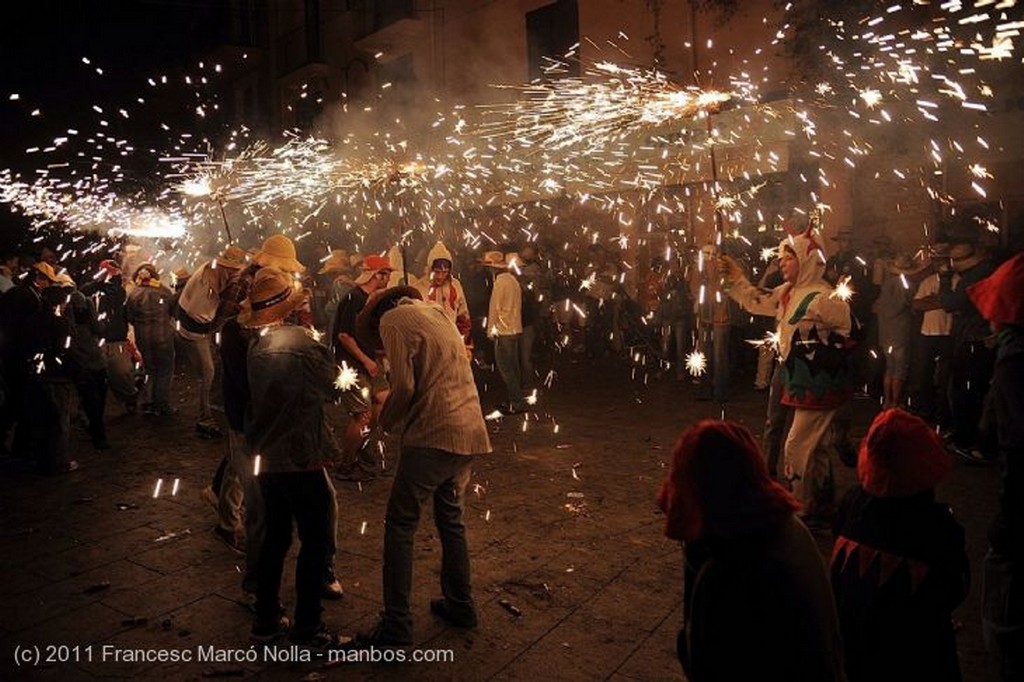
{"type": "Point", "coordinates": [347, 377]}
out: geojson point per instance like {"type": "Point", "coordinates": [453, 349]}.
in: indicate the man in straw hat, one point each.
{"type": "Point", "coordinates": [505, 327]}
{"type": "Point", "coordinates": [434, 409]}
{"type": "Point", "coordinates": [895, 323]}
{"type": "Point", "coordinates": [339, 268]}
{"type": "Point", "coordinates": [197, 308]}
{"type": "Point", "coordinates": [36, 369]}
{"type": "Point", "coordinates": [998, 298]}
{"type": "Point", "coordinates": [357, 460]}
{"type": "Point", "coordinates": [108, 290]}
{"type": "Point", "coordinates": [933, 345]}
{"type": "Point", "coordinates": [291, 376]}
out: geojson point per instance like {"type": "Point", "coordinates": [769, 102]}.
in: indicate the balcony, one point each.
{"type": "Point", "coordinates": [393, 29]}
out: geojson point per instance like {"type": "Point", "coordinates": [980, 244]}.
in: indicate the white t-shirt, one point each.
{"type": "Point", "coordinates": [935, 322]}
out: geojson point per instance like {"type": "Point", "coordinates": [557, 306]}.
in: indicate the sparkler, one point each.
{"type": "Point", "coordinates": [696, 363]}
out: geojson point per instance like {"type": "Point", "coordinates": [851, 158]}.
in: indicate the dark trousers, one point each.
{"type": "Point", "coordinates": [930, 377]}
{"type": "Point", "coordinates": [305, 497]}
{"type": "Point", "coordinates": [969, 377]}
{"type": "Point", "coordinates": [422, 473]}
{"type": "Point", "coordinates": [50, 406]}
{"type": "Point", "coordinates": [92, 393]}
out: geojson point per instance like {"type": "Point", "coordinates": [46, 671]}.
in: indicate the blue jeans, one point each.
{"type": "Point", "coordinates": [526, 341]}
{"type": "Point", "coordinates": [506, 356]}
{"type": "Point", "coordinates": [422, 473]}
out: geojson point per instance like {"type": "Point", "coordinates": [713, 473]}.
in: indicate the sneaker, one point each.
{"type": "Point", "coordinates": [439, 607]}
{"type": "Point", "coordinates": [379, 637]}
{"type": "Point", "coordinates": [208, 430]}
{"type": "Point", "coordinates": [230, 539]}
{"type": "Point", "coordinates": [972, 456]}
{"type": "Point", "coordinates": [210, 497]}
{"type": "Point", "coordinates": [268, 632]}
{"type": "Point", "coordinates": [321, 638]}
{"type": "Point", "coordinates": [332, 588]}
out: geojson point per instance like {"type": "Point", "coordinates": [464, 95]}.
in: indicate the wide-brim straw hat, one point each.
{"type": "Point", "coordinates": [181, 274]}
{"type": "Point", "coordinates": [232, 257]}
{"type": "Point", "coordinates": [273, 297]}
{"type": "Point", "coordinates": [146, 266]}
{"type": "Point", "coordinates": [372, 264]}
{"type": "Point", "coordinates": [279, 252]}
{"type": "Point", "coordinates": [64, 280]}
{"type": "Point", "coordinates": [494, 259]}
{"type": "Point", "coordinates": [338, 261]}
{"type": "Point", "coordinates": [46, 270]}
{"type": "Point", "coordinates": [905, 264]}
{"type": "Point", "coordinates": [964, 256]}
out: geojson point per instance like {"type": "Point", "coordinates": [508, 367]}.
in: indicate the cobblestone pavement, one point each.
{"type": "Point", "coordinates": [573, 577]}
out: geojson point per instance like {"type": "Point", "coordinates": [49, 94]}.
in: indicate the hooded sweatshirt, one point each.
{"type": "Point", "coordinates": [813, 327]}
{"type": "Point", "coordinates": [449, 295]}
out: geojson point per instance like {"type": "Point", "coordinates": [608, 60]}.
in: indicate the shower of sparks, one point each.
{"type": "Point", "coordinates": [696, 363]}
{"type": "Point", "coordinates": [608, 103]}
{"type": "Point", "coordinates": [159, 485]}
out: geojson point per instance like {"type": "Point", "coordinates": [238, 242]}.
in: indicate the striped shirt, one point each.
{"type": "Point", "coordinates": [433, 401]}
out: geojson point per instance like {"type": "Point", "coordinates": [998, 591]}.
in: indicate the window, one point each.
{"type": "Point", "coordinates": [550, 32]}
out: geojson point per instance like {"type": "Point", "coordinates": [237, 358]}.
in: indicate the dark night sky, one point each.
{"type": "Point", "coordinates": [42, 43]}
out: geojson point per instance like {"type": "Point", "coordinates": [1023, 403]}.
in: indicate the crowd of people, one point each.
{"type": "Point", "coordinates": [936, 338]}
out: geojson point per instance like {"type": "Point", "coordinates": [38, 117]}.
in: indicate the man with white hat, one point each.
{"type": "Point", "coordinates": [505, 326]}
{"type": "Point", "coordinates": [291, 376]}
{"type": "Point", "coordinates": [37, 372]}
{"type": "Point", "coordinates": [195, 313]}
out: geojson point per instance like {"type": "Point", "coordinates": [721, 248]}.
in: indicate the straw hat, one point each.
{"type": "Point", "coordinates": [368, 320]}
{"type": "Point", "coordinates": [232, 257]}
{"type": "Point", "coordinates": [279, 252]}
{"type": "Point", "coordinates": [905, 264]}
{"type": "Point", "coordinates": [339, 261]}
{"type": "Point", "coordinates": [372, 264]}
{"type": "Point", "coordinates": [181, 274]}
{"type": "Point", "coordinates": [273, 296]}
{"type": "Point", "coordinates": [150, 272]}
{"type": "Point", "coordinates": [64, 280]}
{"type": "Point", "coordinates": [46, 270]}
{"type": "Point", "coordinates": [494, 259]}
{"type": "Point", "coordinates": [964, 256]}
{"type": "Point", "coordinates": [901, 456]}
